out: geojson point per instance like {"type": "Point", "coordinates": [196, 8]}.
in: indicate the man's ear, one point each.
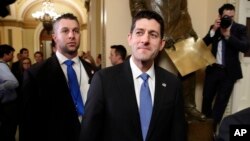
{"type": "Point", "coordinates": [129, 38]}
{"type": "Point", "coordinates": [163, 42]}
{"type": "Point", "coordinates": [53, 36]}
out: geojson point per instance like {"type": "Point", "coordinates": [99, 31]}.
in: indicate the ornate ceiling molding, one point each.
{"type": "Point", "coordinates": [21, 24]}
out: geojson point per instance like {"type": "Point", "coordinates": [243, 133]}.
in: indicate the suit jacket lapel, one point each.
{"type": "Point", "coordinates": [160, 91]}
{"type": "Point", "coordinates": [128, 86]}
{"type": "Point", "coordinates": [58, 76]}
{"type": "Point", "coordinates": [89, 69]}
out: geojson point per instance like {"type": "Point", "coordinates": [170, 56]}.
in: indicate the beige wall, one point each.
{"type": "Point", "coordinates": [28, 42]}
{"type": "Point", "coordinates": [203, 14]}
{"type": "Point", "coordinates": [14, 38]}
{"type": "Point", "coordinates": [118, 20]}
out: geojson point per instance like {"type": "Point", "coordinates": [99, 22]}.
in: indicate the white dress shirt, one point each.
{"type": "Point", "coordinates": [219, 49]}
{"type": "Point", "coordinates": [136, 72]}
{"type": "Point", "coordinates": [83, 79]}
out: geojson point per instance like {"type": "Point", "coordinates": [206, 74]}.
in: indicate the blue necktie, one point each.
{"type": "Point", "coordinates": [145, 105]}
{"type": "Point", "coordinates": [74, 88]}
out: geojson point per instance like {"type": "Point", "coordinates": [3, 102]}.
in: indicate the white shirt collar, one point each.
{"type": "Point", "coordinates": [62, 58]}
{"type": "Point", "coordinates": [137, 72]}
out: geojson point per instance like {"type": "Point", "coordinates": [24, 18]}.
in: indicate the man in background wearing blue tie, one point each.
{"type": "Point", "coordinates": [54, 91]}
{"type": "Point", "coordinates": [228, 38]}
{"type": "Point", "coordinates": [136, 100]}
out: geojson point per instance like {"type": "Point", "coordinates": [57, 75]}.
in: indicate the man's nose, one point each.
{"type": "Point", "coordinates": [145, 38]}
{"type": "Point", "coordinates": [71, 34]}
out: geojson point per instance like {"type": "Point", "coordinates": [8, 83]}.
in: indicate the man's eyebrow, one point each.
{"type": "Point", "coordinates": [139, 29]}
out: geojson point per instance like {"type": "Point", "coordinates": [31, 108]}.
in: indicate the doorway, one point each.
{"type": "Point", "coordinates": [45, 43]}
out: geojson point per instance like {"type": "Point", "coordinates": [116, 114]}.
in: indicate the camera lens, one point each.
{"type": "Point", "coordinates": [226, 21]}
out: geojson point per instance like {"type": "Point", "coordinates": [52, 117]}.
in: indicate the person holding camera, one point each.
{"type": "Point", "coordinates": [228, 38]}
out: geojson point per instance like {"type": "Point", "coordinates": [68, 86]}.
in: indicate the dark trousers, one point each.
{"type": "Point", "coordinates": [218, 88]}
{"type": "Point", "coordinates": [8, 120]}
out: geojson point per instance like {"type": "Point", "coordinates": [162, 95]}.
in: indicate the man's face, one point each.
{"type": "Point", "coordinates": [38, 57]}
{"type": "Point", "coordinates": [9, 57]}
{"type": "Point", "coordinates": [114, 58]}
{"type": "Point", "coordinates": [145, 40]}
{"type": "Point", "coordinates": [25, 54]}
{"type": "Point", "coordinates": [67, 37]}
{"type": "Point", "coordinates": [229, 13]}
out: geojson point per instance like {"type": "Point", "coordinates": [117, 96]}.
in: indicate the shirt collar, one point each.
{"type": "Point", "coordinates": [137, 72]}
{"type": "Point", "coordinates": [62, 58]}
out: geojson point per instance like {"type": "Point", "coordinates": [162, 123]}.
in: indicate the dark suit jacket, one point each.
{"type": "Point", "coordinates": [240, 118]}
{"type": "Point", "coordinates": [112, 113]}
{"type": "Point", "coordinates": [48, 112]}
{"type": "Point", "coordinates": [238, 42]}
{"type": "Point", "coordinates": [15, 68]}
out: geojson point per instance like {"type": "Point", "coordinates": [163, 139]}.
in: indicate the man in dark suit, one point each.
{"type": "Point", "coordinates": [49, 111]}
{"type": "Point", "coordinates": [240, 118]}
{"type": "Point", "coordinates": [16, 66]}
{"type": "Point", "coordinates": [115, 105]}
{"type": "Point", "coordinates": [118, 54]}
{"type": "Point", "coordinates": [228, 38]}
{"type": "Point", "coordinates": [177, 19]}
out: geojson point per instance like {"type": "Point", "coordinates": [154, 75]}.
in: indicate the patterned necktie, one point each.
{"type": "Point", "coordinates": [74, 88]}
{"type": "Point", "coordinates": [145, 105]}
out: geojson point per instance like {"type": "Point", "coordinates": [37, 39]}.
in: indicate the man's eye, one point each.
{"type": "Point", "coordinates": [76, 31]}
{"type": "Point", "coordinates": [138, 33]}
{"type": "Point", "coordinates": [154, 35]}
{"type": "Point", "coordinates": [64, 31]}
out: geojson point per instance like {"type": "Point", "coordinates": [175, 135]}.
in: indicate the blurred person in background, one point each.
{"type": "Point", "coordinates": [98, 61]}
{"type": "Point", "coordinates": [8, 95]}
{"type": "Point", "coordinates": [38, 56]}
{"type": "Point", "coordinates": [228, 39]}
{"type": "Point", "coordinates": [118, 54]}
{"type": "Point", "coordinates": [23, 53]}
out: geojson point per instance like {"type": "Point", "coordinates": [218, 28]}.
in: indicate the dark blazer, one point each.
{"type": "Point", "coordinates": [112, 113]}
{"type": "Point", "coordinates": [15, 68]}
{"type": "Point", "coordinates": [48, 112]}
{"type": "Point", "coordinates": [240, 118]}
{"type": "Point", "coordinates": [238, 42]}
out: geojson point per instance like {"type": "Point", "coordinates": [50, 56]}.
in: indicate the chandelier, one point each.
{"type": "Point", "coordinates": [46, 15]}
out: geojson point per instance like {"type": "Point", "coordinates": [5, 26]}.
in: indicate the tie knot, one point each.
{"type": "Point", "coordinates": [69, 62]}
{"type": "Point", "coordinates": [144, 76]}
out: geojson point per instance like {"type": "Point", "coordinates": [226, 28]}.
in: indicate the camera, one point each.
{"type": "Point", "coordinates": [226, 21]}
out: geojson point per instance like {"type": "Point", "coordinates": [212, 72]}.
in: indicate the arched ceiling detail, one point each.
{"type": "Point", "coordinates": [27, 7]}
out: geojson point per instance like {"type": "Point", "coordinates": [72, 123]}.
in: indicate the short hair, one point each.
{"type": "Point", "coordinates": [121, 50]}
{"type": "Point", "coordinates": [53, 43]}
{"type": "Point", "coordinates": [99, 56]}
{"type": "Point", "coordinates": [148, 14]}
{"type": "Point", "coordinates": [38, 52]}
{"type": "Point", "coordinates": [5, 49]}
{"type": "Point", "coordinates": [69, 16]}
{"type": "Point", "coordinates": [226, 6]}
{"type": "Point", "coordinates": [22, 50]}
